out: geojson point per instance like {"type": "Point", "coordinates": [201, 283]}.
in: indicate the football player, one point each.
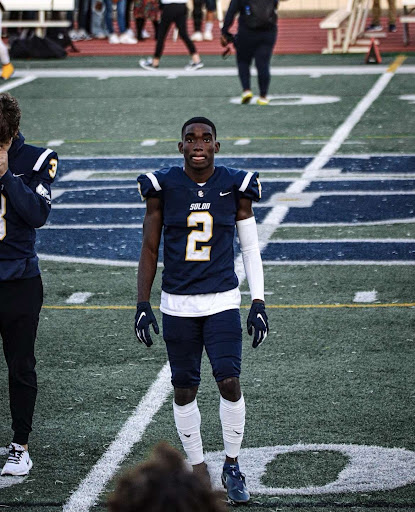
{"type": "Point", "coordinates": [26, 173]}
{"type": "Point", "coordinates": [197, 208]}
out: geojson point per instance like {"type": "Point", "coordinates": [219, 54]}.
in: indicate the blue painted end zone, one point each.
{"type": "Point", "coordinates": [117, 203]}
{"type": "Point", "coordinates": [382, 164]}
{"type": "Point", "coordinates": [339, 251]}
{"type": "Point", "coordinates": [354, 208]}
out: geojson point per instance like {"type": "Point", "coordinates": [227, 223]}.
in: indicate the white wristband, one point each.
{"type": "Point", "coordinates": [251, 256]}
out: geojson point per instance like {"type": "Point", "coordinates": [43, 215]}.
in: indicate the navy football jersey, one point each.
{"type": "Point", "coordinates": [199, 226]}
{"type": "Point", "coordinates": [25, 205]}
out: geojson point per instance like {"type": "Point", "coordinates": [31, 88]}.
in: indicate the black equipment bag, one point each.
{"type": "Point", "coordinates": [35, 47]}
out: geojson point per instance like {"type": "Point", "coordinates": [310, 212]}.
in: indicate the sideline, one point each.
{"type": "Point", "coordinates": [312, 71]}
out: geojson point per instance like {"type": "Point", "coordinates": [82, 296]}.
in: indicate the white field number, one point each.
{"type": "Point", "coordinates": [197, 236]}
{"type": "Point", "coordinates": [2, 219]}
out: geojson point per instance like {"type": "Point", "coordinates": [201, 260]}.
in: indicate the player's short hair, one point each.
{"type": "Point", "coordinates": [199, 120]}
{"type": "Point", "coordinates": [9, 117]}
{"type": "Point", "coordinates": [164, 482]}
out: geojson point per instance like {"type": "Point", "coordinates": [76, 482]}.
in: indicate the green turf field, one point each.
{"type": "Point", "coordinates": [331, 393]}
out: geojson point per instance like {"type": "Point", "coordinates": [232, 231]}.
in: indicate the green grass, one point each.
{"type": "Point", "coordinates": [332, 371]}
{"type": "Point", "coordinates": [113, 116]}
{"type": "Point", "coordinates": [323, 376]}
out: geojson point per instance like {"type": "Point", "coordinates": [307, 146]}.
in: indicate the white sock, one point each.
{"type": "Point", "coordinates": [187, 419]}
{"type": "Point", "coordinates": [232, 417]}
{"type": "Point", "coordinates": [4, 54]}
{"type": "Point", "coordinates": [208, 26]}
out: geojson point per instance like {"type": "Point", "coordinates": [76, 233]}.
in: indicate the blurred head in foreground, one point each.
{"type": "Point", "coordinates": [164, 483]}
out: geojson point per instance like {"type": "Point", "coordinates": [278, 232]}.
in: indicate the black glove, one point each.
{"type": "Point", "coordinates": [143, 318]}
{"type": "Point", "coordinates": [258, 320]}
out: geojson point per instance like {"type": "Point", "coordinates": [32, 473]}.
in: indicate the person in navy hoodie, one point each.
{"type": "Point", "coordinates": [26, 173]}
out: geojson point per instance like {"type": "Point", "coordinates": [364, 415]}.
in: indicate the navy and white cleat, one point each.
{"type": "Point", "coordinates": [234, 482]}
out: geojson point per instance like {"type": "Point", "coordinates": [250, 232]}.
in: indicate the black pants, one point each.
{"type": "Point", "coordinates": [198, 13]}
{"type": "Point", "coordinates": [173, 13]}
{"type": "Point", "coordinates": [258, 45]}
{"type": "Point", "coordinates": [20, 304]}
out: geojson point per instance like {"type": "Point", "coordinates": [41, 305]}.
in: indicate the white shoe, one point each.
{"type": "Point", "coordinates": [194, 66]}
{"type": "Point", "coordinates": [18, 462]}
{"type": "Point", "coordinates": [147, 64]}
{"type": "Point", "coordinates": [208, 36]}
{"type": "Point", "coordinates": [83, 35]}
{"type": "Point", "coordinates": [125, 38]}
{"type": "Point", "coordinates": [113, 39]}
{"type": "Point", "coordinates": [197, 36]}
{"type": "Point", "coordinates": [145, 34]}
{"type": "Point", "coordinates": [130, 32]}
{"type": "Point", "coordinates": [73, 34]}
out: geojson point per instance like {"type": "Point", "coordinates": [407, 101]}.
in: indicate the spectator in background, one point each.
{"type": "Point", "coordinates": [131, 7]}
{"type": "Point", "coordinates": [255, 39]}
{"type": "Point", "coordinates": [197, 20]}
{"type": "Point", "coordinates": [163, 483]}
{"type": "Point", "coordinates": [124, 36]}
{"type": "Point", "coordinates": [173, 11]}
{"type": "Point", "coordinates": [98, 24]}
{"type": "Point", "coordinates": [7, 68]}
{"type": "Point", "coordinates": [375, 26]}
{"type": "Point", "coordinates": [146, 10]}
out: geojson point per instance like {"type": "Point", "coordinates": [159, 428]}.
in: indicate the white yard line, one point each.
{"type": "Point", "coordinates": [387, 222]}
{"type": "Point", "coordinates": [17, 83]}
{"type": "Point", "coordinates": [92, 226]}
{"type": "Point", "coordinates": [91, 261]}
{"type": "Point", "coordinates": [342, 263]}
{"type": "Point", "coordinates": [312, 71]}
{"type": "Point", "coordinates": [343, 241]}
{"type": "Point", "coordinates": [99, 206]}
{"type": "Point", "coordinates": [130, 434]}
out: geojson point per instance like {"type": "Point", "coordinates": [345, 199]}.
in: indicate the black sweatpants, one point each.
{"type": "Point", "coordinates": [20, 304]}
{"type": "Point", "coordinates": [198, 13]}
{"type": "Point", "coordinates": [258, 45]}
{"type": "Point", "coordinates": [173, 13]}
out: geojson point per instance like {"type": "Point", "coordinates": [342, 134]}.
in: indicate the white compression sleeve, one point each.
{"type": "Point", "coordinates": [232, 417]}
{"type": "Point", "coordinates": [251, 255]}
{"type": "Point", "coordinates": [187, 419]}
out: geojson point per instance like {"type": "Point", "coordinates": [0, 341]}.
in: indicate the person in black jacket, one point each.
{"type": "Point", "coordinates": [26, 173]}
{"type": "Point", "coordinates": [255, 39]}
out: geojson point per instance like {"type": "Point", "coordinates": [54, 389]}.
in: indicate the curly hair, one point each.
{"type": "Point", "coordinates": [9, 117]}
{"type": "Point", "coordinates": [162, 483]}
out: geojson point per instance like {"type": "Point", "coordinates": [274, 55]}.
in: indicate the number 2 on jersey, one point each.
{"type": "Point", "coordinates": [197, 235]}
{"type": "Point", "coordinates": [2, 219]}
